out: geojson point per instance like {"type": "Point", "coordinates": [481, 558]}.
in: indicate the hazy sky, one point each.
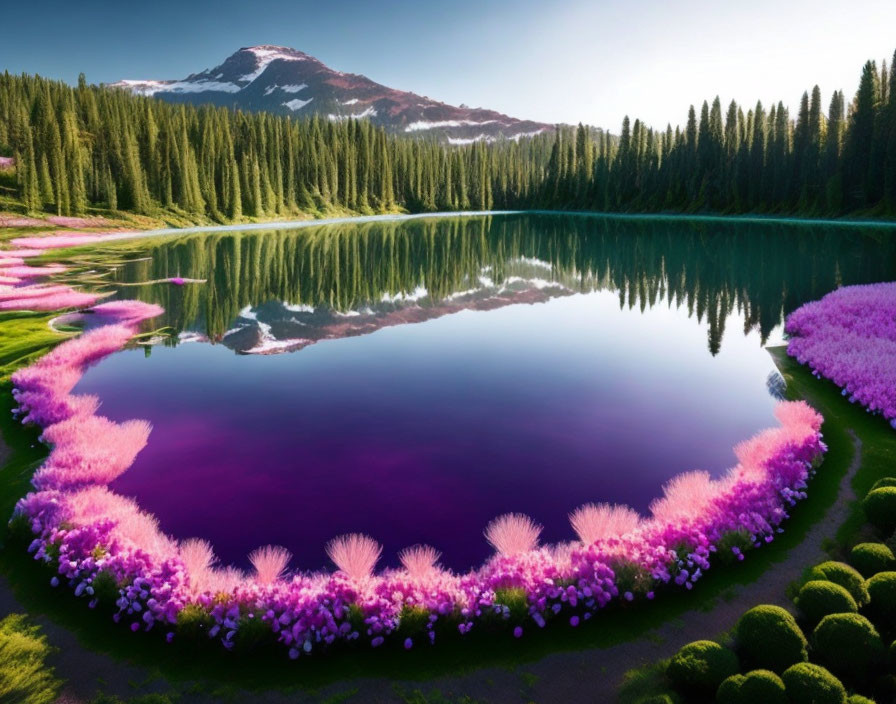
{"type": "Point", "coordinates": [591, 61]}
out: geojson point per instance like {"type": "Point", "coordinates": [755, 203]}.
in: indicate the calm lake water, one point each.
{"type": "Point", "coordinates": [414, 380]}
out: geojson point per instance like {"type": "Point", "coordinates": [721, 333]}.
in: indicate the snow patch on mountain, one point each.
{"type": "Point", "coordinates": [368, 112]}
{"type": "Point", "coordinates": [436, 124]}
{"type": "Point", "coordinates": [265, 55]}
{"type": "Point", "coordinates": [296, 104]}
{"type": "Point", "coordinates": [285, 89]}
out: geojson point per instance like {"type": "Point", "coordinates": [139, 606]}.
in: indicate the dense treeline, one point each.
{"type": "Point", "coordinates": [91, 146]}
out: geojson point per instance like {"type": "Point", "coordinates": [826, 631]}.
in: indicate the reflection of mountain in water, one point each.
{"type": "Point", "coordinates": [277, 326]}
{"type": "Point", "coordinates": [352, 279]}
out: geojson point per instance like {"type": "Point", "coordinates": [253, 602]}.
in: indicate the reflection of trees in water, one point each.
{"type": "Point", "coordinates": [713, 268]}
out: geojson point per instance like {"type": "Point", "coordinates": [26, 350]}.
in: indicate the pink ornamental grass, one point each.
{"type": "Point", "coordinates": [31, 272]}
{"type": "Point", "coordinates": [685, 496]}
{"type": "Point", "coordinates": [594, 522]}
{"type": "Point", "coordinates": [56, 241]}
{"type": "Point", "coordinates": [199, 559]}
{"type": "Point", "coordinates": [513, 534]}
{"type": "Point", "coordinates": [420, 561]}
{"type": "Point", "coordinates": [55, 301]}
{"type": "Point", "coordinates": [269, 562]}
{"type": "Point", "coordinates": [90, 450]}
{"type": "Point", "coordinates": [355, 555]}
{"type": "Point", "coordinates": [32, 291]}
{"type": "Point", "coordinates": [132, 311]}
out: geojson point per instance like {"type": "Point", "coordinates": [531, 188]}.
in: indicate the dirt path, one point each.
{"type": "Point", "coordinates": [571, 677]}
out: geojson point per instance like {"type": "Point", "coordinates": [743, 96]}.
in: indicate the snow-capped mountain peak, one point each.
{"type": "Point", "coordinates": [282, 80]}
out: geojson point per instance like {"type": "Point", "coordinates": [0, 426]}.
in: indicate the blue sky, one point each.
{"type": "Point", "coordinates": [592, 61]}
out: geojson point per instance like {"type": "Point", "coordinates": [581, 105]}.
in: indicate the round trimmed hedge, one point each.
{"type": "Point", "coordinates": [882, 590]}
{"type": "Point", "coordinates": [812, 684]}
{"type": "Point", "coordinates": [871, 558]}
{"type": "Point", "coordinates": [729, 690]}
{"type": "Point", "coordinates": [762, 686]}
{"type": "Point", "coordinates": [859, 699]}
{"type": "Point", "coordinates": [756, 686]}
{"type": "Point", "coordinates": [880, 508]}
{"type": "Point", "coordinates": [818, 598]}
{"type": "Point", "coordinates": [768, 637]}
{"type": "Point", "coordinates": [701, 666]}
{"type": "Point", "coordinates": [849, 645]}
{"type": "Point", "coordinates": [844, 575]}
{"type": "Point", "coordinates": [664, 698]}
{"type": "Point", "coordinates": [884, 482]}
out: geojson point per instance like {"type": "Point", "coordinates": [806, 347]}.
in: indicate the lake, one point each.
{"type": "Point", "coordinates": [412, 380]}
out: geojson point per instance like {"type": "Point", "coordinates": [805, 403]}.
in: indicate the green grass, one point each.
{"type": "Point", "coordinates": [25, 676]}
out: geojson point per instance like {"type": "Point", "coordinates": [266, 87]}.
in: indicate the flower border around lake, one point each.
{"type": "Point", "coordinates": [106, 549]}
{"type": "Point", "coordinates": [849, 337]}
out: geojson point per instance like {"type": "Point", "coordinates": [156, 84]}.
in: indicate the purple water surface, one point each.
{"type": "Point", "coordinates": [422, 433]}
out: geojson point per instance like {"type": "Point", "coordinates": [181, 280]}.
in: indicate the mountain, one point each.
{"type": "Point", "coordinates": [288, 82]}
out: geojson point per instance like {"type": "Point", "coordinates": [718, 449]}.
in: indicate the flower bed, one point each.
{"type": "Point", "coordinates": [849, 337]}
{"type": "Point", "coordinates": [100, 543]}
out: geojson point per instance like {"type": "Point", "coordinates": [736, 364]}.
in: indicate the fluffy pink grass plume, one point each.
{"type": "Point", "coordinates": [685, 496]}
{"type": "Point", "coordinates": [420, 561]}
{"type": "Point", "coordinates": [225, 580]}
{"type": "Point", "coordinates": [54, 301]}
{"type": "Point", "coordinates": [593, 522]}
{"type": "Point", "coordinates": [513, 534]}
{"type": "Point", "coordinates": [355, 554]}
{"type": "Point", "coordinates": [132, 311]}
{"type": "Point", "coordinates": [269, 562]}
{"type": "Point", "coordinates": [6, 260]}
{"type": "Point", "coordinates": [30, 272]}
{"type": "Point", "coordinates": [56, 241]}
{"type": "Point", "coordinates": [199, 560]}
{"type": "Point", "coordinates": [135, 528]}
{"type": "Point", "coordinates": [32, 291]}
{"type": "Point", "coordinates": [90, 450]}
{"type": "Point", "coordinates": [23, 253]}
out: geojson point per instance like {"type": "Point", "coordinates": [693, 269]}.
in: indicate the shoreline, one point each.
{"type": "Point", "coordinates": [116, 236]}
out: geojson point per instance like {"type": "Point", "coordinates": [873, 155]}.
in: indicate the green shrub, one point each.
{"type": "Point", "coordinates": [701, 667]}
{"type": "Point", "coordinates": [848, 645]}
{"type": "Point", "coordinates": [762, 686]}
{"type": "Point", "coordinates": [664, 698]}
{"type": "Point", "coordinates": [880, 508]}
{"type": "Point", "coordinates": [729, 690]}
{"type": "Point", "coordinates": [812, 684]}
{"type": "Point", "coordinates": [871, 558]}
{"type": "Point", "coordinates": [882, 590]}
{"type": "Point", "coordinates": [24, 674]}
{"type": "Point", "coordinates": [819, 598]}
{"type": "Point", "coordinates": [859, 699]}
{"type": "Point", "coordinates": [884, 482]}
{"type": "Point", "coordinates": [768, 637]}
{"type": "Point", "coordinates": [844, 575]}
